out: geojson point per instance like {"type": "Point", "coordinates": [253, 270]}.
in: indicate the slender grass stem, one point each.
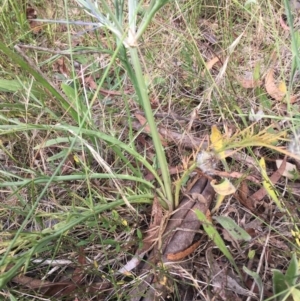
{"type": "Point", "coordinates": [151, 11]}
{"type": "Point", "coordinates": [155, 136]}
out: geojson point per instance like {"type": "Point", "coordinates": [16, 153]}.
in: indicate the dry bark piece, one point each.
{"type": "Point", "coordinates": [177, 239]}
{"type": "Point", "coordinates": [181, 255]}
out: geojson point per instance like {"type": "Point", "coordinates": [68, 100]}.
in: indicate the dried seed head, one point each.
{"type": "Point", "coordinates": [207, 162]}
{"type": "Point", "coordinates": [294, 146]}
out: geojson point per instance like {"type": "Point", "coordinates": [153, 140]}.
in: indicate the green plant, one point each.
{"type": "Point", "coordinates": [128, 33]}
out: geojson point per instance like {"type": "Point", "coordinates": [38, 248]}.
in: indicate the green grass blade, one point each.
{"type": "Point", "coordinates": [257, 280]}
{"type": "Point", "coordinates": [216, 238]}
{"type": "Point", "coordinates": [65, 104]}
{"type": "Point", "coordinates": [54, 234]}
{"type": "Point", "coordinates": [76, 177]}
{"type": "Point", "coordinates": [112, 141]}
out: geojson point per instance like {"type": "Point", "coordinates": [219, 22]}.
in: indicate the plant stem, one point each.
{"type": "Point", "coordinates": [154, 132]}
{"type": "Point", "coordinates": [154, 6]}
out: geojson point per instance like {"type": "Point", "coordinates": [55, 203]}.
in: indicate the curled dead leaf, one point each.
{"type": "Point", "coordinates": [224, 188]}
{"type": "Point", "coordinates": [210, 64]}
{"type": "Point", "coordinates": [276, 92]}
{"type": "Point", "coordinates": [61, 67]}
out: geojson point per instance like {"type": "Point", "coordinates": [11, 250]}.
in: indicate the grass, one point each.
{"type": "Point", "coordinates": [74, 177]}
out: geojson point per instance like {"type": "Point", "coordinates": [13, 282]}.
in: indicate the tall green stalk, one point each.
{"type": "Point", "coordinates": [161, 157]}
{"type": "Point", "coordinates": [129, 38]}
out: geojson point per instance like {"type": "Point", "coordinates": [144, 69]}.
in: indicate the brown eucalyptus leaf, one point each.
{"type": "Point", "coordinates": [273, 90]}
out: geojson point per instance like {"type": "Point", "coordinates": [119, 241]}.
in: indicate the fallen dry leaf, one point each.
{"type": "Point", "coordinates": [178, 237]}
{"type": "Point", "coordinates": [289, 169]}
{"type": "Point", "coordinates": [224, 188]}
{"type": "Point", "coordinates": [35, 26]}
{"type": "Point", "coordinates": [69, 165]}
{"type": "Point", "coordinates": [276, 92]}
{"type": "Point", "coordinates": [210, 64]}
{"type": "Point", "coordinates": [185, 140]}
{"type": "Point", "coordinates": [225, 285]}
{"type": "Point", "coordinates": [57, 289]}
{"type": "Point", "coordinates": [242, 195]}
{"type": "Point", "coordinates": [293, 99]}
{"type": "Point", "coordinates": [237, 175]}
{"type": "Point", "coordinates": [61, 67]}
{"type": "Point", "coordinates": [90, 83]}
{"type": "Point", "coordinates": [199, 197]}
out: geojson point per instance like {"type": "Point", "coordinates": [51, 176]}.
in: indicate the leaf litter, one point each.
{"type": "Point", "coordinates": [180, 236]}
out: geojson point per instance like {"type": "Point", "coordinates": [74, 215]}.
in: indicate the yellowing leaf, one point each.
{"type": "Point", "coordinates": [76, 159]}
{"type": "Point", "coordinates": [224, 188]}
{"type": "Point", "coordinates": [296, 294]}
{"type": "Point", "coordinates": [267, 184]}
{"type": "Point", "coordinates": [282, 87]}
{"type": "Point", "coordinates": [216, 139]}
